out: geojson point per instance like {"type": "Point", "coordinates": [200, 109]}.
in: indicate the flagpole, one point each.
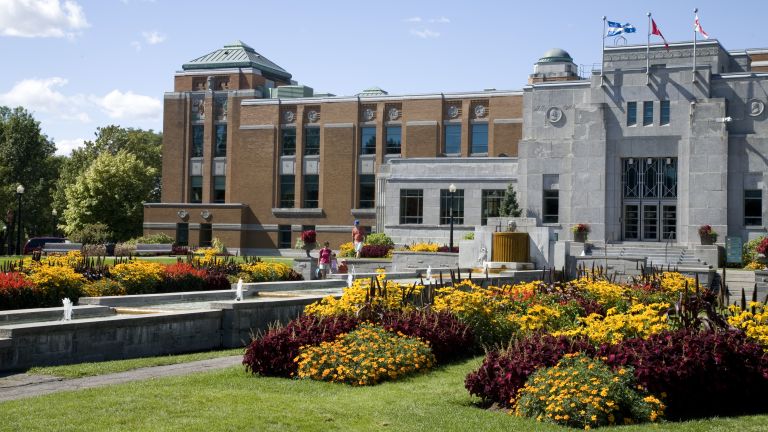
{"type": "Point", "coordinates": [695, 11]}
{"type": "Point", "coordinates": [602, 61]}
{"type": "Point", "coordinates": [648, 52]}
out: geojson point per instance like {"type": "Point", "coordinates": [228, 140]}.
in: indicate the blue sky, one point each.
{"type": "Point", "coordinates": [81, 64]}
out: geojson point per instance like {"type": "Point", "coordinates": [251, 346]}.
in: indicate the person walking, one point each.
{"type": "Point", "coordinates": [324, 262]}
{"type": "Point", "coordinates": [358, 235]}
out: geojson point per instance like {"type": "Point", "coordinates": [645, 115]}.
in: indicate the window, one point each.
{"type": "Point", "coordinates": [182, 234]}
{"type": "Point", "coordinates": [367, 191]}
{"type": "Point", "coordinates": [411, 206]}
{"type": "Point", "coordinates": [284, 236]}
{"type": "Point", "coordinates": [452, 139]}
{"type": "Point", "coordinates": [287, 190]}
{"type": "Point", "coordinates": [288, 141]}
{"type": "Point", "coordinates": [551, 206]}
{"type": "Point", "coordinates": [490, 204]}
{"type": "Point", "coordinates": [664, 112]}
{"type": "Point", "coordinates": [311, 191]}
{"type": "Point", "coordinates": [221, 140]}
{"type": "Point", "coordinates": [445, 207]}
{"type": "Point", "coordinates": [219, 189]}
{"type": "Point", "coordinates": [631, 113]}
{"type": "Point", "coordinates": [394, 139]}
{"type": "Point", "coordinates": [647, 113]}
{"type": "Point", "coordinates": [753, 207]}
{"type": "Point", "coordinates": [196, 189]}
{"type": "Point", "coordinates": [311, 141]}
{"type": "Point", "coordinates": [480, 138]}
{"type": "Point", "coordinates": [197, 141]}
{"type": "Point", "coordinates": [367, 140]}
{"type": "Point", "coordinates": [206, 235]}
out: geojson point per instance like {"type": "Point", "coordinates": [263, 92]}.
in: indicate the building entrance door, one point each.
{"type": "Point", "coordinates": [649, 188]}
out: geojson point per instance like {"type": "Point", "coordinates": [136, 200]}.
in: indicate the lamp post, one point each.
{"type": "Point", "coordinates": [451, 192]}
{"type": "Point", "coordinates": [55, 215]}
{"type": "Point", "coordinates": [19, 193]}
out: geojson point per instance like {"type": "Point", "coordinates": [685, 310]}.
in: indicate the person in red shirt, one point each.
{"type": "Point", "coordinates": [358, 235]}
{"type": "Point", "coordinates": [324, 262]}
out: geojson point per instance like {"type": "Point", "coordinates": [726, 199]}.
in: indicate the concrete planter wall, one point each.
{"type": "Point", "coordinates": [407, 260]}
{"type": "Point", "coordinates": [761, 280]}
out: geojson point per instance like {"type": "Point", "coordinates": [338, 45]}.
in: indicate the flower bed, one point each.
{"type": "Point", "coordinates": [45, 282]}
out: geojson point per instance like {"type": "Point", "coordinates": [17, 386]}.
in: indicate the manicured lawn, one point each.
{"type": "Point", "coordinates": [107, 367]}
{"type": "Point", "coordinates": [231, 400]}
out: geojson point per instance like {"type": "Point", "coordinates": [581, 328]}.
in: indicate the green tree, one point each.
{"type": "Point", "coordinates": [26, 158]}
{"type": "Point", "coordinates": [509, 205]}
{"type": "Point", "coordinates": [110, 192]}
{"type": "Point", "coordinates": [145, 145]}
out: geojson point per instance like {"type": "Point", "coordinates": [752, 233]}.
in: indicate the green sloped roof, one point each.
{"type": "Point", "coordinates": [373, 91]}
{"type": "Point", "coordinates": [234, 55]}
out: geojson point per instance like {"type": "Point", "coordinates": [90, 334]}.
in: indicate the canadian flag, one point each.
{"type": "Point", "coordinates": [655, 31]}
{"type": "Point", "coordinates": [697, 28]}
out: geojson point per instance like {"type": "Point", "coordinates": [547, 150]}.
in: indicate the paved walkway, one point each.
{"type": "Point", "coordinates": [23, 385]}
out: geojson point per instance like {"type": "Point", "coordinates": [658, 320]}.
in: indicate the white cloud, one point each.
{"type": "Point", "coordinates": [41, 18]}
{"type": "Point", "coordinates": [153, 37]}
{"type": "Point", "coordinates": [43, 95]}
{"type": "Point", "coordinates": [64, 147]}
{"type": "Point", "coordinates": [129, 106]}
{"type": "Point", "coordinates": [425, 34]}
{"type": "Point", "coordinates": [440, 20]}
{"type": "Point", "coordinates": [413, 19]}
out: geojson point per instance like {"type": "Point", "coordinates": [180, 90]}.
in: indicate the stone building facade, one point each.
{"type": "Point", "coordinates": [639, 154]}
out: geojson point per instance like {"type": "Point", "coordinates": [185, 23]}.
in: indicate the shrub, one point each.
{"type": "Point", "coordinates": [361, 297]}
{"type": "Point", "coordinates": [762, 247]}
{"type": "Point", "coordinates": [57, 282]}
{"type": "Point", "coordinates": [445, 248]}
{"type": "Point", "coordinates": [97, 233]}
{"type": "Point", "coordinates": [139, 277]}
{"type": "Point", "coordinates": [182, 277]}
{"type": "Point", "coordinates": [469, 236]}
{"type": "Point", "coordinates": [90, 250]}
{"type": "Point", "coordinates": [365, 356]}
{"type": "Point", "coordinates": [582, 392]}
{"type": "Point", "coordinates": [504, 372]}
{"type": "Point", "coordinates": [215, 280]}
{"type": "Point", "coordinates": [753, 321]}
{"type": "Point", "coordinates": [697, 373]}
{"type": "Point", "coordinates": [422, 247]}
{"type": "Point", "coordinates": [273, 353]}
{"type": "Point", "coordinates": [374, 251]}
{"type": "Point", "coordinates": [639, 321]}
{"type": "Point", "coordinates": [580, 228]}
{"type": "Point", "coordinates": [125, 249]}
{"type": "Point", "coordinates": [159, 238]}
{"type": "Point", "coordinates": [260, 271]}
{"type": "Point", "coordinates": [18, 292]}
{"type": "Point", "coordinates": [309, 237]}
{"type": "Point", "coordinates": [448, 337]}
{"type": "Point", "coordinates": [347, 250]}
{"type": "Point", "coordinates": [103, 287]}
{"type": "Point", "coordinates": [379, 239]}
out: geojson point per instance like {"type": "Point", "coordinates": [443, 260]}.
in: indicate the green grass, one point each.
{"type": "Point", "coordinates": [107, 367]}
{"type": "Point", "coordinates": [231, 400]}
{"type": "Point", "coordinates": [165, 259]}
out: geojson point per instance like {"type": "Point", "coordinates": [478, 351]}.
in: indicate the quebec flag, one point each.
{"type": "Point", "coordinates": [615, 28]}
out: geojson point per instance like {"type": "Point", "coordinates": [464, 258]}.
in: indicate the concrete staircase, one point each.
{"type": "Point", "coordinates": [736, 280]}
{"type": "Point", "coordinates": [658, 254]}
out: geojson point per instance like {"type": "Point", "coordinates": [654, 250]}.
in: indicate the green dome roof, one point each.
{"type": "Point", "coordinates": [555, 55]}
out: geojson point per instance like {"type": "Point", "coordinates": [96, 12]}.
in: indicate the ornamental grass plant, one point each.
{"type": "Point", "coordinates": [367, 355]}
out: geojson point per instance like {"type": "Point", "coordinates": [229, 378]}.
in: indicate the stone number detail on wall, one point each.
{"type": "Point", "coordinates": [289, 116]}
{"type": "Point", "coordinates": [368, 114]}
{"type": "Point", "coordinates": [313, 116]}
{"type": "Point", "coordinates": [554, 115]}
{"type": "Point", "coordinates": [479, 111]}
{"type": "Point", "coordinates": [755, 107]}
{"type": "Point", "coordinates": [393, 114]}
{"type": "Point", "coordinates": [453, 111]}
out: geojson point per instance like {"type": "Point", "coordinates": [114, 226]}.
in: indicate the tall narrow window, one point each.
{"type": "Point", "coordinates": [367, 140]}
{"type": "Point", "coordinates": [197, 140]}
{"type": "Point", "coordinates": [631, 113]}
{"type": "Point", "coordinates": [394, 136]}
{"type": "Point", "coordinates": [452, 139]}
{"type": "Point", "coordinates": [445, 207]}
{"type": "Point", "coordinates": [480, 138]}
{"type": "Point", "coordinates": [206, 235]}
{"type": "Point", "coordinates": [551, 207]}
{"type": "Point", "coordinates": [664, 112]}
{"type": "Point", "coordinates": [311, 141]}
{"type": "Point", "coordinates": [287, 190]}
{"type": "Point", "coordinates": [753, 207]}
{"type": "Point", "coordinates": [490, 204]}
{"type": "Point", "coordinates": [221, 140]}
{"type": "Point", "coordinates": [284, 236]}
{"type": "Point", "coordinates": [411, 206]}
{"type": "Point", "coordinates": [288, 142]}
{"type": "Point", "coordinates": [367, 191]}
{"type": "Point", "coordinates": [219, 189]}
{"type": "Point", "coordinates": [647, 113]}
{"type": "Point", "coordinates": [196, 189]}
{"type": "Point", "coordinates": [311, 191]}
{"type": "Point", "coordinates": [182, 234]}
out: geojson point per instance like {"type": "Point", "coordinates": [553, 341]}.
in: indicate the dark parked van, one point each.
{"type": "Point", "coordinates": [37, 243]}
